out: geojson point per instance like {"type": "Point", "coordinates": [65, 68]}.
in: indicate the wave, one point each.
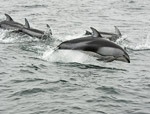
{"type": "Point", "coordinates": [108, 90]}
{"type": "Point", "coordinates": [140, 46]}
{"type": "Point", "coordinates": [28, 92]}
{"type": "Point", "coordinates": [6, 36]}
{"type": "Point", "coordinates": [35, 6]}
{"type": "Point", "coordinates": [27, 80]}
{"type": "Point", "coordinates": [144, 45]}
{"type": "Point", "coordinates": [88, 66]}
{"type": "Point", "coordinates": [66, 56]}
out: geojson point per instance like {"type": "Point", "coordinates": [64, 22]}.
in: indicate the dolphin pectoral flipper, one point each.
{"type": "Point", "coordinates": [27, 25]}
{"type": "Point", "coordinates": [95, 33]}
{"type": "Point", "coordinates": [8, 18]}
{"type": "Point", "coordinates": [117, 31]}
{"type": "Point", "coordinates": [110, 59]}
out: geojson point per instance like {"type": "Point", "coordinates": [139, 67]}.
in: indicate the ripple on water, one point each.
{"type": "Point", "coordinates": [108, 90]}
{"type": "Point", "coordinates": [28, 92]}
{"type": "Point", "coordinates": [32, 66]}
{"type": "Point", "coordinates": [2, 73]}
{"type": "Point", "coordinates": [87, 66]}
{"type": "Point", "coordinates": [27, 80]}
{"type": "Point", "coordinates": [26, 71]}
{"type": "Point", "coordinates": [55, 81]}
{"type": "Point", "coordinates": [36, 6]}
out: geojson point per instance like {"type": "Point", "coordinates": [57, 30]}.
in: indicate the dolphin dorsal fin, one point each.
{"type": "Point", "coordinates": [117, 31]}
{"type": "Point", "coordinates": [8, 18]}
{"type": "Point", "coordinates": [27, 25]}
{"type": "Point", "coordinates": [88, 32]}
{"type": "Point", "coordinates": [47, 25]}
{"type": "Point", "coordinates": [95, 33]}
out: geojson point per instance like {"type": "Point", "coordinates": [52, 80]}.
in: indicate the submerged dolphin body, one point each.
{"type": "Point", "coordinates": [107, 35]}
{"type": "Point", "coordinates": [10, 24]}
{"type": "Point", "coordinates": [98, 46]}
{"type": "Point", "coordinates": [35, 32]}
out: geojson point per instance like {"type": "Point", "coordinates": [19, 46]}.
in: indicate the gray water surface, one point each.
{"type": "Point", "coordinates": [35, 79]}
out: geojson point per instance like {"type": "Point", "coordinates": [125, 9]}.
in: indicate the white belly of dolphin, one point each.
{"type": "Point", "coordinates": [98, 56]}
{"type": "Point", "coordinates": [109, 51]}
{"type": "Point", "coordinates": [108, 54]}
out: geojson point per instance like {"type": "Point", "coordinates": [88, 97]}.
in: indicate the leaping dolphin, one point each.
{"type": "Point", "coordinates": [97, 45]}
{"type": "Point", "coordinates": [107, 35]}
{"type": "Point", "coordinates": [10, 24]}
{"type": "Point", "coordinates": [35, 32]}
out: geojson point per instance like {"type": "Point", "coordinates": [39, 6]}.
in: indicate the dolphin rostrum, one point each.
{"type": "Point", "coordinates": [102, 48]}
{"type": "Point", "coordinates": [10, 24]}
{"type": "Point", "coordinates": [107, 35]}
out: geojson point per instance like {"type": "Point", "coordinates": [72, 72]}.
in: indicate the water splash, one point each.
{"type": "Point", "coordinates": [123, 41]}
{"type": "Point", "coordinates": [65, 56]}
{"type": "Point", "coordinates": [7, 36]}
{"type": "Point", "coordinates": [48, 53]}
{"type": "Point", "coordinates": [47, 33]}
{"type": "Point", "coordinates": [4, 37]}
{"type": "Point", "coordinates": [143, 45]}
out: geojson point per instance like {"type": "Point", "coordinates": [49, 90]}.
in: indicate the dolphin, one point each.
{"type": "Point", "coordinates": [107, 35]}
{"type": "Point", "coordinates": [10, 24]}
{"type": "Point", "coordinates": [103, 49]}
{"type": "Point", "coordinates": [35, 32]}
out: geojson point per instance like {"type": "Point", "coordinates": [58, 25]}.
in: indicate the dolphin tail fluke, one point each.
{"type": "Point", "coordinates": [95, 32]}
{"type": "Point", "coordinates": [8, 18]}
{"type": "Point", "coordinates": [88, 33]}
{"type": "Point", "coordinates": [27, 25]}
{"type": "Point", "coordinates": [117, 31]}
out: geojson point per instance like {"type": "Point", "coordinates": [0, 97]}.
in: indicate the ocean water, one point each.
{"type": "Point", "coordinates": [35, 79]}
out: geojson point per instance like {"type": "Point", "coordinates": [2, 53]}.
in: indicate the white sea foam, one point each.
{"type": "Point", "coordinates": [54, 55]}
{"type": "Point", "coordinates": [143, 45]}
{"type": "Point", "coordinates": [7, 37]}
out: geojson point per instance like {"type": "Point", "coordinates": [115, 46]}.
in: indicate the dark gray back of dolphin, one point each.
{"type": "Point", "coordinates": [97, 45]}
{"type": "Point", "coordinates": [107, 35]}
{"type": "Point", "coordinates": [10, 24]}
{"type": "Point", "coordinates": [31, 31]}
{"type": "Point", "coordinates": [35, 32]}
